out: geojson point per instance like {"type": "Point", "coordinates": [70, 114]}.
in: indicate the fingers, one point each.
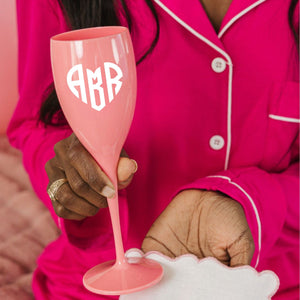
{"type": "Point", "coordinates": [150, 243]}
{"type": "Point", "coordinates": [67, 204]}
{"type": "Point", "coordinates": [241, 251]}
{"type": "Point", "coordinates": [88, 187]}
{"type": "Point", "coordinates": [204, 224]}
{"type": "Point", "coordinates": [78, 158]}
{"type": "Point", "coordinates": [83, 190]}
{"type": "Point", "coordinates": [77, 198]}
{"type": "Point", "coordinates": [73, 203]}
{"type": "Point", "coordinates": [64, 213]}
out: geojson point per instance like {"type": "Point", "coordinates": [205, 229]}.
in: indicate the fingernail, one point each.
{"type": "Point", "coordinates": [108, 192]}
{"type": "Point", "coordinates": [135, 166]}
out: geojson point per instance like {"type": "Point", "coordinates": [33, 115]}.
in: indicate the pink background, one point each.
{"type": "Point", "coordinates": [8, 62]}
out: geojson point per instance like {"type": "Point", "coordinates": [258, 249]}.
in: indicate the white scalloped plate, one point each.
{"type": "Point", "coordinates": [188, 278]}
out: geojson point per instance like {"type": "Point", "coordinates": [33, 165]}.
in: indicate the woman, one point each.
{"type": "Point", "coordinates": [215, 137]}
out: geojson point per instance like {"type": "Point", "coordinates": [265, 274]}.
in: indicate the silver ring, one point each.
{"type": "Point", "coordinates": [53, 188]}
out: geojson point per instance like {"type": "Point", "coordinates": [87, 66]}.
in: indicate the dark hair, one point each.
{"type": "Point", "coordinates": [92, 13]}
{"type": "Point", "coordinates": [291, 18]}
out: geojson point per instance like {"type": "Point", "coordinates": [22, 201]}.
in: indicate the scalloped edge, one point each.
{"type": "Point", "coordinates": [199, 261]}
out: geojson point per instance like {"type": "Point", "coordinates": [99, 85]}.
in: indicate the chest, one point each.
{"type": "Point", "coordinates": [184, 104]}
{"type": "Point", "coordinates": [216, 10]}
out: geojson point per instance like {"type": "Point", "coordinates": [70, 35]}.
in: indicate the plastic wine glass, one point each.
{"type": "Point", "coordinates": [95, 80]}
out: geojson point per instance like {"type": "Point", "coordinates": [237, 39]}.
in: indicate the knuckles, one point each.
{"type": "Point", "coordinates": [61, 211]}
{"type": "Point", "coordinates": [248, 245]}
{"type": "Point", "coordinates": [94, 181]}
{"type": "Point", "coordinates": [59, 147]}
{"type": "Point", "coordinates": [69, 154]}
{"type": "Point", "coordinates": [65, 199]}
{"type": "Point", "coordinates": [65, 214]}
{"type": "Point", "coordinates": [74, 155]}
{"type": "Point", "coordinates": [67, 204]}
{"type": "Point", "coordinates": [79, 187]}
{"type": "Point", "coordinates": [68, 148]}
{"type": "Point", "coordinates": [48, 166]}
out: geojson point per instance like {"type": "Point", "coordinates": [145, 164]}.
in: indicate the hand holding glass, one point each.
{"type": "Point", "coordinates": [95, 80]}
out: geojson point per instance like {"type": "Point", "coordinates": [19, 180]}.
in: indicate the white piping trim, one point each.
{"type": "Point", "coordinates": [229, 63]}
{"type": "Point", "coordinates": [253, 206]}
{"type": "Point", "coordinates": [285, 119]}
{"type": "Point", "coordinates": [239, 15]}
{"type": "Point", "coordinates": [229, 117]}
{"type": "Point", "coordinates": [191, 30]}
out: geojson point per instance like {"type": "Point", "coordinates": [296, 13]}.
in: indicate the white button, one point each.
{"type": "Point", "coordinates": [216, 142]}
{"type": "Point", "coordinates": [218, 64]}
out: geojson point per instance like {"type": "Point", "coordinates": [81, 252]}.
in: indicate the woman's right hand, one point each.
{"type": "Point", "coordinates": [87, 186]}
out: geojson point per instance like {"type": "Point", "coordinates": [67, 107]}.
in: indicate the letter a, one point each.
{"type": "Point", "coordinates": [95, 87]}
{"type": "Point", "coordinates": [80, 82]}
{"type": "Point", "coordinates": [110, 81]}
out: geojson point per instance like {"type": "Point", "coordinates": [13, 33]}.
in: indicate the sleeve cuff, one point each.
{"type": "Point", "coordinates": [225, 185]}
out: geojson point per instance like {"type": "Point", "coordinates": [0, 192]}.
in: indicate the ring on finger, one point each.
{"type": "Point", "coordinates": [54, 187]}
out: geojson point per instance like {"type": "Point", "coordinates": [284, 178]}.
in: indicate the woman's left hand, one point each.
{"type": "Point", "coordinates": [203, 223]}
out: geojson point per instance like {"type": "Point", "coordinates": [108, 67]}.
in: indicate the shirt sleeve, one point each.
{"type": "Point", "coordinates": [270, 202]}
{"type": "Point", "coordinates": [37, 21]}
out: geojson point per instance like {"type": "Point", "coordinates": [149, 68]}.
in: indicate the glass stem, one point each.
{"type": "Point", "coordinates": [113, 204]}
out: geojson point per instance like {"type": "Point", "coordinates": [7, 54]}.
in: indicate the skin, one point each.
{"type": "Point", "coordinates": [88, 186]}
{"type": "Point", "coordinates": [204, 223]}
{"type": "Point", "coordinates": [216, 10]}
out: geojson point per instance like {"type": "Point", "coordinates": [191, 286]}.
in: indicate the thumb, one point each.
{"type": "Point", "coordinates": [126, 169]}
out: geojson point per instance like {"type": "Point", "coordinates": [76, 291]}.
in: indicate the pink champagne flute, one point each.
{"type": "Point", "coordinates": [95, 79]}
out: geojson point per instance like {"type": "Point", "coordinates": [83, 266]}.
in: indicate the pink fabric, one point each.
{"type": "Point", "coordinates": [182, 103]}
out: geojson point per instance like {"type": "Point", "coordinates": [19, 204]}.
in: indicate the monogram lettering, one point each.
{"type": "Point", "coordinates": [95, 84]}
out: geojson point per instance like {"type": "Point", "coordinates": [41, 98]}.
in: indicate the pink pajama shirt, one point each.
{"type": "Point", "coordinates": [214, 111]}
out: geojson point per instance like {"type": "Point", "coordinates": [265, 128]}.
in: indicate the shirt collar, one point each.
{"type": "Point", "coordinates": [192, 13]}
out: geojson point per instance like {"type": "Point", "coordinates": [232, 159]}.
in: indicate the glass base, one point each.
{"type": "Point", "coordinates": [134, 274]}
